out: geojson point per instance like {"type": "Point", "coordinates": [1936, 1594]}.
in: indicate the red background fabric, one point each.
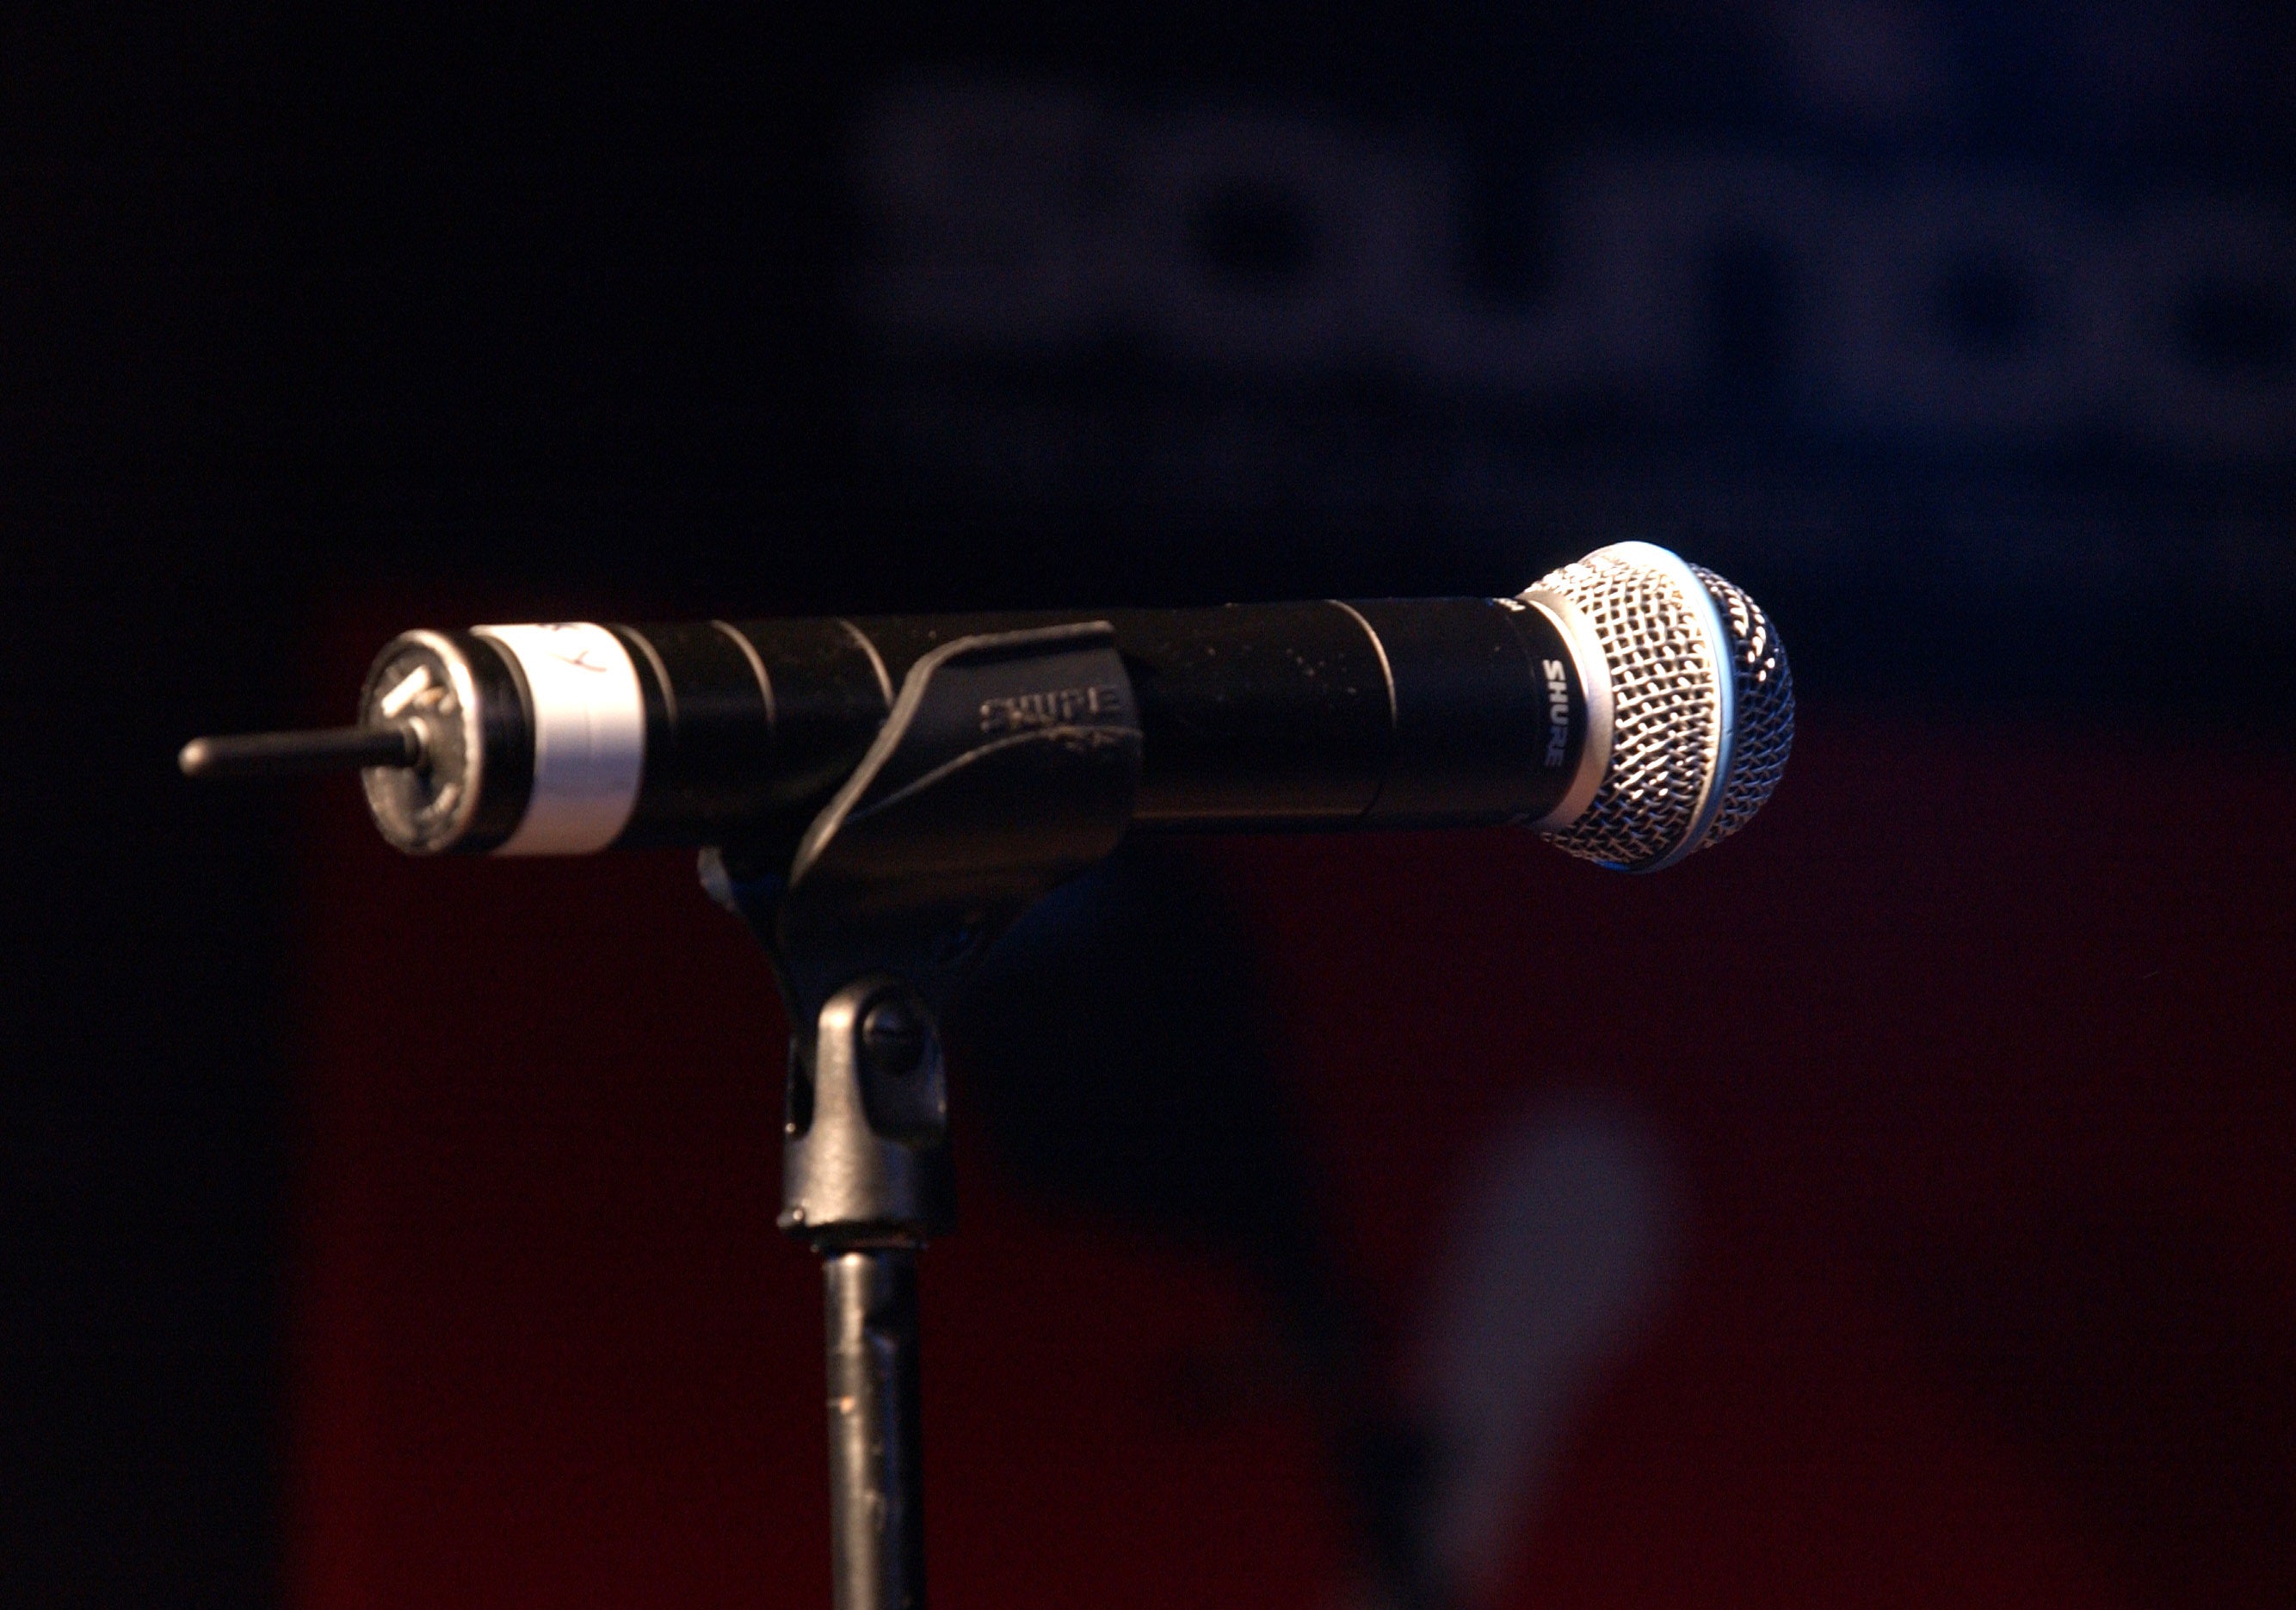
{"type": "Point", "coordinates": [1973, 1054]}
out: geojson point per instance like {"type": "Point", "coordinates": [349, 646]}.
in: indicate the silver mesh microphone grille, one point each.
{"type": "Point", "coordinates": [1699, 710]}
{"type": "Point", "coordinates": [1764, 710]}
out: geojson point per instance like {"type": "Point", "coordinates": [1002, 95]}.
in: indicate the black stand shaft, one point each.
{"type": "Point", "coordinates": [876, 1486]}
{"type": "Point", "coordinates": [1008, 763]}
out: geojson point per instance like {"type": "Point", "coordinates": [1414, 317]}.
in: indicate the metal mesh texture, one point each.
{"type": "Point", "coordinates": [1664, 737]}
{"type": "Point", "coordinates": [1762, 735]}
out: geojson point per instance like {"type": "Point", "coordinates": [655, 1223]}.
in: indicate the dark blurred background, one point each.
{"type": "Point", "coordinates": [1964, 336]}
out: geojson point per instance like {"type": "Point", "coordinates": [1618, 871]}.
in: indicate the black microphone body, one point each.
{"type": "Point", "coordinates": [1419, 713]}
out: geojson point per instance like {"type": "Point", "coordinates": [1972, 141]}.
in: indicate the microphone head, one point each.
{"type": "Point", "coordinates": [1690, 706]}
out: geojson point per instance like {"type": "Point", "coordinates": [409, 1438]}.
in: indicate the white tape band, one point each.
{"type": "Point", "coordinates": [589, 736]}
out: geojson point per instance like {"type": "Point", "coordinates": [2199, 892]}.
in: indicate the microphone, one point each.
{"type": "Point", "coordinates": [1631, 708]}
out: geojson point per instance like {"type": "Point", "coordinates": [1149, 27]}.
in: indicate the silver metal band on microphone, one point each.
{"type": "Point", "coordinates": [587, 715]}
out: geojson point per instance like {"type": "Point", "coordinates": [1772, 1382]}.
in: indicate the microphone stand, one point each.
{"type": "Point", "coordinates": [1008, 763]}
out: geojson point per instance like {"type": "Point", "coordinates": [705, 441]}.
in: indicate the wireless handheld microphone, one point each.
{"type": "Point", "coordinates": [1630, 707]}
{"type": "Point", "coordinates": [878, 799]}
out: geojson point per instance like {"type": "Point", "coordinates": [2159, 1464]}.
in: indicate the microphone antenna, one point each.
{"type": "Point", "coordinates": [395, 745]}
